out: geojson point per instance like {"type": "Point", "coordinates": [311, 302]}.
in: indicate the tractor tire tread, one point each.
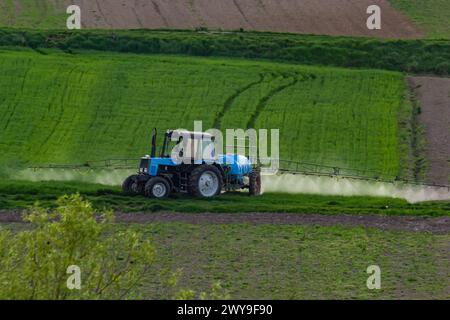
{"type": "Point", "coordinates": [195, 176]}
{"type": "Point", "coordinates": [150, 183]}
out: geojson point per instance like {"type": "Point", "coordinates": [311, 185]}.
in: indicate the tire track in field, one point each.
{"type": "Point", "coordinates": [99, 7]}
{"type": "Point", "coordinates": [227, 105]}
{"type": "Point", "coordinates": [14, 106]}
{"type": "Point", "coordinates": [265, 100]}
{"type": "Point", "coordinates": [13, 111]}
{"type": "Point", "coordinates": [194, 11]}
{"type": "Point", "coordinates": [68, 134]}
{"type": "Point", "coordinates": [57, 122]}
{"type": "Point", "coordinates": [141, 25]}
{"type": "Point", "coordinates": [95, 130]}
{"type": "Point", "coordinates": [242, 13]}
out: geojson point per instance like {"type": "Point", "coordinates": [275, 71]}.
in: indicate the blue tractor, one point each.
{"type": "Point", "coordinates": [158, 177]}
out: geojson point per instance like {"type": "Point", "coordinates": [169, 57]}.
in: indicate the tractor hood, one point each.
{"type": "Point", "coordinates": [238, 164]}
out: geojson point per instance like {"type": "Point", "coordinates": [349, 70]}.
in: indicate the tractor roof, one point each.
{"type": "Point", "coordinates": [193, 135]}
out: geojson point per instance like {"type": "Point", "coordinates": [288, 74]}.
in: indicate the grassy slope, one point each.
{"type": "Point", "coordinates": [431, 15]}
{"type": "Point", "coordinates": [294, 262]}
{"type": "Point", "coordinates": [22, 194]}
{"type": "Point", "coordinates": [72, 108]}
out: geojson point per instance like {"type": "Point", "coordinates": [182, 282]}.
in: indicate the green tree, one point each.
{"type": "Point", "coordinates": [34, 263]}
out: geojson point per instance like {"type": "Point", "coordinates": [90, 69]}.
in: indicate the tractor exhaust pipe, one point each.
{"type": "Point", "coordinates": [153, 153]}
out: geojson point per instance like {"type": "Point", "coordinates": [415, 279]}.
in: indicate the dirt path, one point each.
{"type": "Point", "coordinates": [332, 17]}
{"type": "Point", "coordinates": [434, 98]}
{"type": "Point", "coordinates": [439, 225]}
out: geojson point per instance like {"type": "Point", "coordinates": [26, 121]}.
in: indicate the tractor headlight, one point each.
{"type": "Point", "coordinates": [143, 167]}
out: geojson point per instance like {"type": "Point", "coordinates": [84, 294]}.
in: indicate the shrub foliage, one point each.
{"type": "Point", "coordinates": [419, 56]}
{"type": "Point", "coordinates": [34, 263]}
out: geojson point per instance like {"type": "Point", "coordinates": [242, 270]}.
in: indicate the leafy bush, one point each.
{"type": "Point", "coordinates": [443, 68]}
{"type": "Point", "coordinates": [34, 263]}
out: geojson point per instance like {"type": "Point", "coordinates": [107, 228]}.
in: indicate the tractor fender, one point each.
{"type": "Point", "coordinates": [168, 178]}
{"type": "Point", "coordinates": [220, 168]}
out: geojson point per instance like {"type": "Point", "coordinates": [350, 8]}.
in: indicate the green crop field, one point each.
{"type": "Point", "coordinates": [63, 108]}
{"type": "Point", "coordinates": [431, 15]}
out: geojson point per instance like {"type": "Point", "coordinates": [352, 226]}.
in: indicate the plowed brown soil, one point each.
{"type": "Point", "coordinates": [440, 225]}
{"type": "Point", "coordinates": [434, 98]}
{"type": "Point", "coordinates": [331, 17]}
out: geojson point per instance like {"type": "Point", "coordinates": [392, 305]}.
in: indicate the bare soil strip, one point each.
{"type": "Point", "coordinates": [439, 225]}
{"type": "Point", "coordinates": [332, 17]}
{"type": "Point", "coordinates": [434, 98]}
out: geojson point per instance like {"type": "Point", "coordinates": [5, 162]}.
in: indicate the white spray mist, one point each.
{"type": "Point", "coordinates": [289, 183]}
{"type": "Point", "coordinates": [284, 183]}
{"type": "Point", "coordinates": [105, 177]}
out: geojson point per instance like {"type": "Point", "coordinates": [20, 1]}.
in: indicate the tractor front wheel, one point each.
{"type": "Point", "coordinates": [157, 187]}
{"type": "Point", "coordinates": [132, 186]}
{"type": "Point", "coordinates": [205, 182]}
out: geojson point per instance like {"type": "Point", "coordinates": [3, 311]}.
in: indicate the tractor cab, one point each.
{"type": "Point", "coordinates": [188, 146]}
{"type": "Point", "coordinates": [179, 147]}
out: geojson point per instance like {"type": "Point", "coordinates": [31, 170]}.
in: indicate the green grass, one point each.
{"type": "Point", "coordinates": [291, 262]}
{"type": "Point", "coordinates": [23, 194]}
{"type": "Point", "coordinates": [62, 108]}
{"type": "Point", "coordinates": [41, 14]}
{"type": "Point", "coordinates": [294, 262]}
{"type": "Point", "coordinates": [431, 15]}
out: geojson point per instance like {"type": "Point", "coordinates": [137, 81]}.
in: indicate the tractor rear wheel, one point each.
{"type": "Point", "coordinates": [205, 182]}
{"type": "Point", "coordinates": [157, 187]}
{"type": "Point", "coordinates": [255, 183]}
{"type": "Point", "coordinates": [132, 186]}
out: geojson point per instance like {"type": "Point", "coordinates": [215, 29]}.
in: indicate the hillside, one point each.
{"type": "Point", "coordinates": [59, 108]}
{"type": "Point", "coordinates": [343, 17]}
{"type": "Point", "coordinates": [431, 16]}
